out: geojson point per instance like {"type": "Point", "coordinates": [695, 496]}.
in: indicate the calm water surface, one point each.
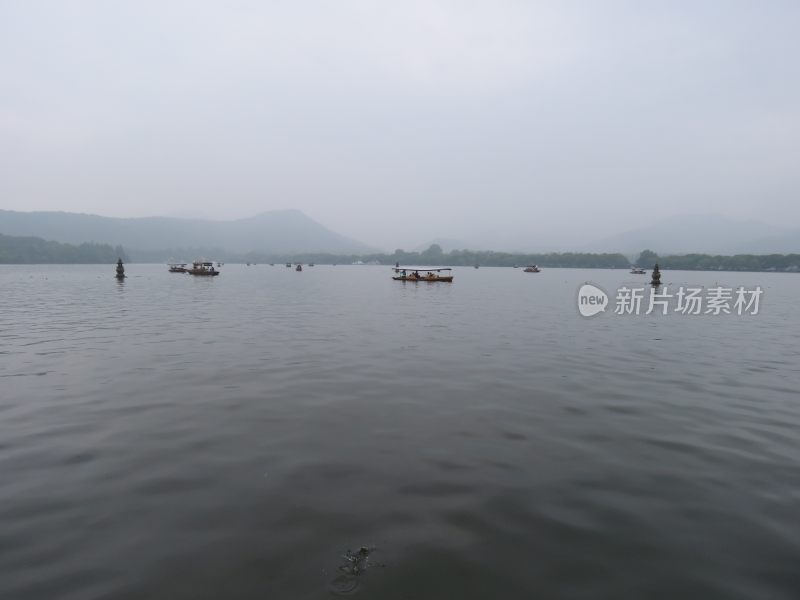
{"type": "Point", "coordinates": [172, 437]}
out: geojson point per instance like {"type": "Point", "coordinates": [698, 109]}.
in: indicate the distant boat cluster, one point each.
{"type": "Point", "coordinates": [207, 268]}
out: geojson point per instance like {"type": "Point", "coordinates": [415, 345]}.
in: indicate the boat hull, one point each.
{"type": "Point", "coordinates": [425, 279]}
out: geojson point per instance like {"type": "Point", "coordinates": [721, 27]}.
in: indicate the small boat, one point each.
{"type": "Point", "coordinates": [310, 264]}
{"type": "Point", "coordinates": [177, 268]}
{"type": "Point", "coordinates": [298, 268]}
{"type": "Point", "coordinates": [477, 266]}
{"type": "Point", "coordinates": [203, 268]}
{"type": "Point", "coordinates": [426, 275]}
{"type": "Point", "coordinates": [516, 266]}
{"type": "Point", "coordinates": [638, 271]}
{"type": "Point", "coordinates": [532, 269]}
{"type": "Point", "coordinates": [288, 265]}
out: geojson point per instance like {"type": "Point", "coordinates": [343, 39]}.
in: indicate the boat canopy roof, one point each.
{"type": "Point", "coordinates": [422, 268]}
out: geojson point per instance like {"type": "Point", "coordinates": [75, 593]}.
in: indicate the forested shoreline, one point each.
{"type": "Point", "coordinates": [579, 260]}
{"type": "Point", "coordinates": [34, 250]}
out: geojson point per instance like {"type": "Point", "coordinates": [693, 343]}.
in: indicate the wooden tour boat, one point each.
{"type": "Point", "coordinates": [203, 268]}
{"type": "Point", "coordinates": [416, 274]}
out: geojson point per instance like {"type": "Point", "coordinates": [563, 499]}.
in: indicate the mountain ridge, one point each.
{"type": "Point", "coordinates": [287, 230]}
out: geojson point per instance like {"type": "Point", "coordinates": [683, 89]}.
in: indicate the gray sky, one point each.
{"type": "Point", "coordinates": [490, 120]}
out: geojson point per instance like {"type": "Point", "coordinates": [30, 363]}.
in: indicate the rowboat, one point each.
{"type": "Point", "coordinates": [532, 269]}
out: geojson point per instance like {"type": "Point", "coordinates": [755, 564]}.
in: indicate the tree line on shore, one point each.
{"type": "Point", "coordinates": [789, 263]}
{"type": "Point", "coordinates": [458, 258]}
{"type": "Point", "coordinates": [582, 260]}
{"type": "Point", "coordinates": [33, 250]}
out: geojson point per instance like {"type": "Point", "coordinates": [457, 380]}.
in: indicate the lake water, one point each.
{"type": "Point", "coordinates": [171, 437]}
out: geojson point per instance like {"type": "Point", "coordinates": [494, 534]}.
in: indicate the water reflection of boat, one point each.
{"type": "Point", "coordinates": [177, 267]}
{"type": "Point", "coordinates": [203, 268]}
{"type": "Point", "coordinates": [638, 271]}
{"type": "Point", "coordinates": [416, 274]}
{"type": "Point", "coordinates": [532, 269]}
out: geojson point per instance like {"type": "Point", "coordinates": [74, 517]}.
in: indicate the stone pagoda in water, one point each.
{"type": "Point", "coordinates": [656, 278]}
{"type": "Point", "coordinates": [120, 269]}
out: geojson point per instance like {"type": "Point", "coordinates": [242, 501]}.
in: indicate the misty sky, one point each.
{"type": "Point", "coordinates": [397, 122]}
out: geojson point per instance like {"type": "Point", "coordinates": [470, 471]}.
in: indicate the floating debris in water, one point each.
{"type": "Point", "coordinates": [356, 562]}
{"type": "Point", "coordinates": [347, 582]}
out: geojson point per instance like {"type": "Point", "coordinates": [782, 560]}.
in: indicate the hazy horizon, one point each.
{"type": "Point", "coordinates": [398, 124]}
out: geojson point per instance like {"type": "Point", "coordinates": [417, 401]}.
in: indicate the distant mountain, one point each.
{"type": "Point", "coordinates": [280, 231]}
{"type": "Point", "coordinates": [704, 234]}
